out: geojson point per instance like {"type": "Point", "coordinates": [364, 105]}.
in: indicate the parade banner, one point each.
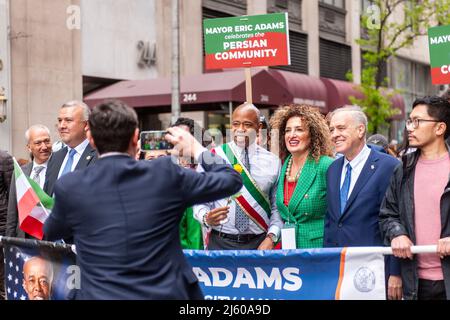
{"type": "Point", "coordinates": [247, 41]}
{"type": "Point", "coordinates": [39, 270]}
{"type": "Point", "coordinates": [439, 46]}
{"type": "Point", "coordinates": [311, 274]}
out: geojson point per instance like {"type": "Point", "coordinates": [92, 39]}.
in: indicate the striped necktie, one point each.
{"type": "Point", "coordinates": [36, 174]}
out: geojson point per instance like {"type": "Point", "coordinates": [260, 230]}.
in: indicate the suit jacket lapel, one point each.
{"type": "Point", "coordinates": [304, 183]}
{"type": "Point", "coordinates": [27, 169]}
{"type": "Point", "coordinates": [55, 163]}
{"type": "Point", "coordinates": [53, 167]}
{"type": "Point", "coordinates": [87, 156]}
{"type": "Point", "coordinates": [368, 170]}
{"type": "Point", "coordinates": [335, 189]}
{"type": "Point", "coordinates": [284, 211]}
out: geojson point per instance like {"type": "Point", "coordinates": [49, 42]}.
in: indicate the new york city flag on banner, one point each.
{"type": "Point", "coordinates": [312, 274]}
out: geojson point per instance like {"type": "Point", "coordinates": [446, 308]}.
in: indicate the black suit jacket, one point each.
{"type": "Point", "coordinates": [88, 158]}
{"type": "Point", "coordinates": [12, 218]}
{"type": "Point", "coordinates": [124, 216]}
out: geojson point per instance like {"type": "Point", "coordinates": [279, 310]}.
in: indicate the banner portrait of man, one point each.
{"type": "Point", "coordinates": [37, 278]}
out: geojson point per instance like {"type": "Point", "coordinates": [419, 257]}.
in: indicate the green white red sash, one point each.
{"type": "Point", "coordinates": [251, 199]}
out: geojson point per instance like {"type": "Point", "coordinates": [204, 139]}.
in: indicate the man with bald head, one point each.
{"type": "Point", "coordinates": [77, 153]}
{"type": "Point", "coordinates": [38, 278]}
{"type": "Point", "coordinates": [250, 219]}
{"type": "Point", "coordinates": [40, 147]}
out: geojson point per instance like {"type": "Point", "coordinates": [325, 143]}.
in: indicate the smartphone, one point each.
{"type": "Point", "coordinates": [154, 140]}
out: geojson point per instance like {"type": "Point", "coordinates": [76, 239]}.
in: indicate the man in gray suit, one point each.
{"type": "Point", "coordinates": [40, 147]}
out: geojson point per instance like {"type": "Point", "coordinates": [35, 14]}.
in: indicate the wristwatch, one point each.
{"type": "Point", "coordinates": [272, 237]}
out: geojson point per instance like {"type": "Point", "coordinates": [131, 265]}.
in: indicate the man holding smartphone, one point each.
{"type": "Point", "coordinates": [123, 214]}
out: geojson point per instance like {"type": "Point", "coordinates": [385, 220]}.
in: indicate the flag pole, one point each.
{"type": "Point", "coordinates": [248, 85]}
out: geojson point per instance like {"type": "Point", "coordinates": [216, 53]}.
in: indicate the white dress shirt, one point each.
{"type": "Point", "coordinates": [357, 165]}
{"type": "Point", "coordinates": [41, 174]}
{"type": "Point", "coordinates": [76, 157]}
{"type": "Point", "coordinates": [265, 169]}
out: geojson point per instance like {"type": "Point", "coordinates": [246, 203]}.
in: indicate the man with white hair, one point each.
{"type": "Point", "coordinates": [77, 153]}
{"type": "Point", "coordinates": [356, 184]}
{"type": "Point", "coordinates": [40, 147]}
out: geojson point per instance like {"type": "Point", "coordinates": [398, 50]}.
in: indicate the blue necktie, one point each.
{"type": "Point", "coordinates": [346, 187]}
{"type": "Point", "coordinates": [69, 163]}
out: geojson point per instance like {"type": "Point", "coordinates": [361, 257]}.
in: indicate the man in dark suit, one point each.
{"type": "Point", "coordinates": [40, 147]}
{"type": "Point", "coordinates": [124, 214]}
{"type": "Point", "coordinates": [356, 185]}
{"type": "Point", "coordinates": [77, 154]}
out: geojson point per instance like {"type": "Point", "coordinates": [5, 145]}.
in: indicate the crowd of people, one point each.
{"type": "Point", "coordinates": [325, 184]}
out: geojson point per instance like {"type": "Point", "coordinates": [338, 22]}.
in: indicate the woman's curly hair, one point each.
{"type": "Point", "coordinates": [315, 122]}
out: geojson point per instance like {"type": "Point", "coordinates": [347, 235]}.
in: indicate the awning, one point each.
{"type": "Point", "coordinates": [340, 91]}
{"type": "Point", "coordinates": [271, 87]}
{"type": "Point", "coordinates": [303, 88]}
{"type": "Point", "coordinates": [199, 89]}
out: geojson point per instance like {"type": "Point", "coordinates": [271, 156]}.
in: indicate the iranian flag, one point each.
{"type": "Point", "coordinates": [33, 203]}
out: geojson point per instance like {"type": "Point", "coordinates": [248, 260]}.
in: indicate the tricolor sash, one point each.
{"type": "Point", "coordinates": [251, 199]}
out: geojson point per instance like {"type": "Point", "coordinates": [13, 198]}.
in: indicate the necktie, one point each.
{"type": "Point", "coordinates": [69, 163]}
{"type": "Point", "coordinates": [345, 187]}
{"type": "Point", "coordinates": [36, 174]}
{"type": "Point", "coordinates": [241, 219]}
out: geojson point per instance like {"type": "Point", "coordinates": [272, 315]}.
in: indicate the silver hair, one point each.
{"type": "Point", "coordinates": [355, 111]}
{"type": "Point", "coordinates": [35, 127]}
{"type": "Point", "coordinates": [77, 103]}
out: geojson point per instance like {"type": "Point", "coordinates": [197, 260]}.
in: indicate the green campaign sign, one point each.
{"type": "Point", "coordinates": [439, 45]}
{"type": "Point", "coordinates": [247, 41]}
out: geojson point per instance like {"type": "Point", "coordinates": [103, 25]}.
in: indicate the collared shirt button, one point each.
{"type": "Point", "coordinates": [306, 196]}
{"type": "Point", "coordinates": [306, 213]}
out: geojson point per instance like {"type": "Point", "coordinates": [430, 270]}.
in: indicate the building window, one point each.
{"type": "Point", "coordinates": [282, 4]}
{"type": "Point", "coordinates": [335, 59]}
{"type": "Point", "coordinates": [233, 8]}
{"type": "Point", "coordinates": [335, 3]}
{"type": "Point", "coordinates": [413, 79]}
{"type": "Point", "coordinates": [365, 4]}
{"type": "Point", "coordinates": [298, 44]}
{"type": "Point", "coordinates": [292, 7]}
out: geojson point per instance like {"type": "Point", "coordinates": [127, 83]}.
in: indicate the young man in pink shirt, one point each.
{"type": "Point", "coordinates": [416, 208]}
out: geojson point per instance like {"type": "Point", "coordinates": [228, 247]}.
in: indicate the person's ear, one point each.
{"type": "Point", "coordinates": [441, 129]}
{"type": "Point", "coordinates": [259, 128]}
{"type": "Point", "coordinates": [135, 139]}
{"type": "Point", "coordinates": [91, 139]}
{"type": "Point", "coordinates": [361, 131]}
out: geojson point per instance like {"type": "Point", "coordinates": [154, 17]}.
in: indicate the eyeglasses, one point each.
{"type": "Point", "coordinates": [415, 122]}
